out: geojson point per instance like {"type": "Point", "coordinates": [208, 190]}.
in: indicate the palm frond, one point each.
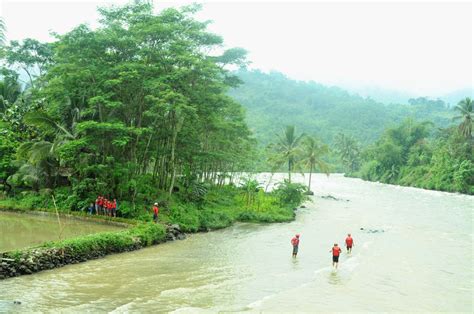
{"type": "Point", "coordinates": [2, 32]}
{"type": "Point", "coordinates": [40, 151]}
{"type": "Point", "coordinates": [45, 122]}
{"type": "Point", "coordinates": [23, 150]}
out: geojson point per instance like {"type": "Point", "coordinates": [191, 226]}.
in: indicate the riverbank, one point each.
{"type": "Point", "coordinates": [8, 206]}
{"type": "Point", "coordinates": [221, 210]}
{"type": "Point", "coordinates": [414, 182]}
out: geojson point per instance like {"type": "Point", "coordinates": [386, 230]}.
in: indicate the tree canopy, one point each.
{"type": "Point", "coordinates": [135, 105]}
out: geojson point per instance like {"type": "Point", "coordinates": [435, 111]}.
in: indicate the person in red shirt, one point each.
{"type": "Point", "coordinates": [104, 206]}
{"type": "Point", "coordinates": [97, 200]}
{"type": "Point", "coordinates": [295, 242]}
{"type": "Point", "coordinates": [336, 250]}
{"type": "Point", "coordinates": [114, 208]}
{"type": "Point", "coordinates": [155, 212]}
{"type": "Point", "coordinates": [101, 204]}
{"type": "Point", "coordinates": [109, 208]}
{"type": "Point", "coordinates": [349, 243]}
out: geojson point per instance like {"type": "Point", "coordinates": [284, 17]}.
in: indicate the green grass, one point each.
{"type": "Point", "coordinates": [220, 208]}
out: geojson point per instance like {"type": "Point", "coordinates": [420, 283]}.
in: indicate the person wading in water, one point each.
{"type": "Point", "coordinates": [295, 242]}
{"type": "Point", "coordinates": [349, 243]}
{"type": "Point", "coordinates": [336, 250]}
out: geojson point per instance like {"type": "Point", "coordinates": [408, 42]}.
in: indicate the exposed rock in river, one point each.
{"type": "Point", "coordinates": [330, 197]}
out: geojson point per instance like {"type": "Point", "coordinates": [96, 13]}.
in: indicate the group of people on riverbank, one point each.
{"type": "Point", "coordinates": [103, 206]}
{"type": "Point", "coordinates": [335, 250]}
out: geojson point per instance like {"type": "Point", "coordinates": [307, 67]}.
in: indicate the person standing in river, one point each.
{"type": "Point", "coordinates": [349, 243]}
{"type": "Point", "coordinates": [295, 242]}
{"type": "Point", "coordinates": [336, 250]}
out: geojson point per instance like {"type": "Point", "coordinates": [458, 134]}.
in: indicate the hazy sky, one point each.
{"type": "Point", "coordinates": [423, 48]}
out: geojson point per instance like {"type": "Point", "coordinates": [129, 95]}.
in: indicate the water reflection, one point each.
{"type": "Point", "coordinates": [22, 230]}
{"type": "Point", "coordinates": [334, 278]}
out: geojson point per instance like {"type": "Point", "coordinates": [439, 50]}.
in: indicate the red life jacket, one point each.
{"type": "Point", "coordinates": [349, 241]}
{"type": "Point", "coordinates": [156, 209]}
{"type": "Point", "coordinates": [336, 250]}
{"type": "Point", "coordinates": [295, 241]}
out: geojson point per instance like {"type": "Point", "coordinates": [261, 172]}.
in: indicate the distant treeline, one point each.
{"type": "Point", "coordinates": [273, 101]}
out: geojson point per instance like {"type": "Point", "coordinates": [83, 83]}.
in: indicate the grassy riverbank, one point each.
{"type": "Point", "coordinates": [220, 208]}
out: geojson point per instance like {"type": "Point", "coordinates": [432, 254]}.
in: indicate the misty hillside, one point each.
{"type": "Point", "coordinates": [388, 96]}
{"type": "Point", "coordinates": [454, 97]}
{"type": "Point", "coordinates": [272, 101]}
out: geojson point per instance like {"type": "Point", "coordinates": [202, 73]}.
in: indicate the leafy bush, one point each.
{"type": "Point", "coordinates": [214, 219]}
{"type": "Point", "coordinates": [187, 216]}
{"type": "Point", "coordinates": [149, 233]}
{"type": "Point", "coordinates": [291, 194]}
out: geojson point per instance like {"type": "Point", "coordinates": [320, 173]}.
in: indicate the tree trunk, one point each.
{"type": "Point", "coordinates": [310, 173]}
{"type": "Point", "coordinates": [289, 171]}
{"type": "Point", "coordinates": [176, 129]}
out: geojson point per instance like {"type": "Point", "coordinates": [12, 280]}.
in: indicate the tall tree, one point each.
{"type": "Point", "coordinates": [30, 56]}
{"type": "Point", "coordinates": [465, 109]}
{"type": "Point", "coordinates": [349, 151]}
{"type": "Point", "coordinates": [287, 149]}
{"type": "Point", "coordinates": [312, 152]}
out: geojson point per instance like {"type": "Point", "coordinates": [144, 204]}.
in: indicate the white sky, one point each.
{"type": "Point", "coordinates": [423, 48]}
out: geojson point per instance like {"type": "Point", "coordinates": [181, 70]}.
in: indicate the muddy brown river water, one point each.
{"type": "Point", "coordinates": [414, 254]}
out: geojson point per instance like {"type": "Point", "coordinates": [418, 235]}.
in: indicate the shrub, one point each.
{"type": "Point", "coordinates": [149, 233]}
{"type": "Point", "coordinates": [214, 219]}
{"type": "Point", "coordinates": [291, 194]}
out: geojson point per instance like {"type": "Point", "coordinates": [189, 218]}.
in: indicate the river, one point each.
{"type": "Point", "coordinates": [420, 259]}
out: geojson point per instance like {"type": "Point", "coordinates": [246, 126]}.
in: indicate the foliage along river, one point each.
{"type": "Point", "coordinates": [422, 261]}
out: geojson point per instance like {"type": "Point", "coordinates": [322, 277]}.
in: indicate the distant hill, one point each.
{"type": "Point", "coordinates": [388, 96]}
{"type": "Point", "coordinates": [272, 101]}
{"type": "Point", "coordinates": [383, 95]}
{"type": "Point", "coordinates": [454, 97]}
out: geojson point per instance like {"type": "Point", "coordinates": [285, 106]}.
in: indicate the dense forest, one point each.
{"type": "Point", "coordinates": [137, 110]}
{"type": "Point", "coordinates": [272, 101]}
{"type": "Point", "coordinates": [408, 155]}
{"type": "Point", "coordinates": [416, 144]}
{"type": "Point", "coordinates": [417, 154]}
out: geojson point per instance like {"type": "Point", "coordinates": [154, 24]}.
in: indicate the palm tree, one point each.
{"type": "Point", "coordinates": [287, 149]}
{"type": "Point", "coordinates": [311, 154]}
{"type": "Point", "coordinates": [2, 32]}
{"type": "Point", "coordinates": [465, 108]}
{"type": "Point", "coordinates": [348, 150]}
{"type": "Point", "coordinates": [40, 163]}
{"type": "Point", "coordinates": [42, 157]}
